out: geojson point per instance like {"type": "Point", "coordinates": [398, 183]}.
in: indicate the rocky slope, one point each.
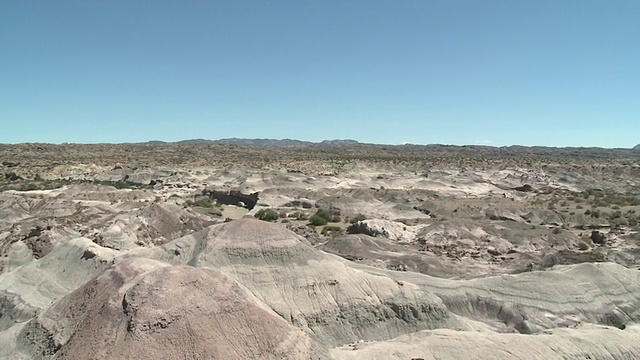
{"type": "Point", "coordinates": [144, 309]}
{"type": "Point", "coordinates": [250, 288]}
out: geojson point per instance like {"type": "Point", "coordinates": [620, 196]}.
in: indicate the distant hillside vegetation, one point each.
{"type": "Point", "coordinates": [280, 143]}
{"type": "Point", "coordinates": [636, 148]}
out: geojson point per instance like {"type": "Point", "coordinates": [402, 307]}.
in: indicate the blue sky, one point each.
{"type": "Point", "coordinates": [552, 73]}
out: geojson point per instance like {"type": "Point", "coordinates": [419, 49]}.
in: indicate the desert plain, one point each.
{"type": "Point", "coordinates": [337, 250]}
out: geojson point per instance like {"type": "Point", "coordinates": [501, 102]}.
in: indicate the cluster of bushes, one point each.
{"type": "Point", "coordinates": [333, 230]}
{"type": "Point", "coordinates": [267, 215]}
{"type": "Point", "coordinates": [616, 218]}
{"type": "Point", "coordinates": [36, 184]}
{"type": "Point", "coordinates": [601, 198]}
{"type": "Point", "coordinates": [323, 217]}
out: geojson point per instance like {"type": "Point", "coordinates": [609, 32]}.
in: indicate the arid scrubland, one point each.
{"type": "Point", "coordinates": [334, 251]}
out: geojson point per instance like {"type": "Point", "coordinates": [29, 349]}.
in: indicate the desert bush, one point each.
{"type": "Point", "coordinates": [324, 213]}
{"type": "Point", "coordinates": [266, 215]}
{"type": "Point", "coordinates": [331, 229]}
{"type": "Point", "coordinates": [323, 216]}
{"type": "Point", "coordinates": [317, 220]}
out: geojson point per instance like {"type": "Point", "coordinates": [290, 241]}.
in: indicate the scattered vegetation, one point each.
{"type": "Point", "coordinates": [602, 198]}
{"type": "Point", "coordinates": [332, 230]}
{"type": "Point", "coordinates": [323, 217]}
{"type": "Point", "coordinates": [317, 220]}
{"type": "Point", "coordinates": [28, 185]}
{"type": "Point", "coordinates": [267, 215]}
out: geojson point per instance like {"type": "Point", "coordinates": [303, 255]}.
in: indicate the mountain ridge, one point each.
{"type": "Point", "coordinates": [289, 143]}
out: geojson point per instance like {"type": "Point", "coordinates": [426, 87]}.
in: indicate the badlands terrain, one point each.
{"type": "Point", "coordinates": [338, 250]}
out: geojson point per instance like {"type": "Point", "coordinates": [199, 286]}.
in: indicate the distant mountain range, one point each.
{"type": "Point", "coordinates": [292, 143]}
{"type": "Point", "coordinates": [263, 142]}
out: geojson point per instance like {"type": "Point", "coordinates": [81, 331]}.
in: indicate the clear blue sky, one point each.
{"type": "Point", "coordinates": [555, 73]}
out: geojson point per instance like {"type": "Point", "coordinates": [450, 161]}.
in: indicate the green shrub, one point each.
{"type": "Point", "coordinates": [323, 216]}
{"type": "Point", "coordinates": [317, 220]}
{"type": "Point", "coordinates": [266, 215]}
{"type": "Point", "coordinates": [334, 230]}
